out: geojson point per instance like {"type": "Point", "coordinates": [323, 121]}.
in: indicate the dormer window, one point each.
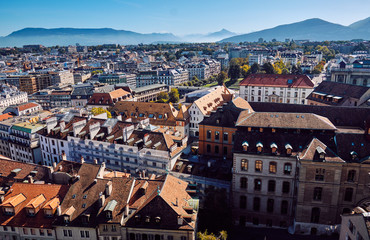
{"type": "Point", "coordinates": [354, 156]}
{"type": "Point", "coordinates": [245, 146]}
{"type": "Point", "coordinates": [321, 153]}
{"type": "Point", "coordinates": [273, 147]}
{"type": "Point", "coordinates": [66, 219]}
{"type": "Point", "coordinates": [137, 218]}
{"type": "Point", "coordinates": [259, 147]}
{"type": "Point", "coordinates": [108, 214]}
{"type": "Point", "coordinates": [9, 211]}
{"type": "Point", "coordinates": [31, 212]}
{"type": "Point", "coordinates": [157, 219]}
{"type": "Point", "coordinates": [147, 219]}
{"type": "Point", "coordinates": [289, 149]}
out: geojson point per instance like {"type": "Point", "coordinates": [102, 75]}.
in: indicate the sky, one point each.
{"type": "Point", "coordinates": [179, 17]}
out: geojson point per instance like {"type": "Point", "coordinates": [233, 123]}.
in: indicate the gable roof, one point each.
{"type": "Point", "coordinates": [278, 80]}
{"type": "Point", "coordinates": [316, 146]}
{"type": "Point", "coordinates": [211, 101]}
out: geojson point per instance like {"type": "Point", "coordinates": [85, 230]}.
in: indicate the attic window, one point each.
{"type": "Point", "coordinates": [259, 146]}
{"type": "Point", "coordinates": [151, 115]}
{"type": "Point", "coordinates": [245, 146]}
{"type": "Point", "coordinates": [73, 196]}
{"type": "Point", "coordinates": [158, 219]}
{"type": "Point", "coordinates": [288, 148]}
{"type": "Point", "coordinates": [141, 115]}
{"type": "Point", "coordinates": [160, 116]}
{"type": "Point", "coordinates": [147, 219]}
{"type": "Point", "coordinates": [84, 205]}
{"type": "Point", "coordinates": [354, 155]}
{"type": "Point", "coordinates": [273, 148]}
{"type": "Point", "coordinates": [85, 196]}
{"type": "Point", "coordinates": [321, 152]}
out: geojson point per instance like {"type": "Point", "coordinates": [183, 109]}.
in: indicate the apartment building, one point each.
{"type": "Point", "coordinates": [265, 165]}
{"type": "Point", "coordinates": [357, 73]}
{"type": "Point", "coordinates": [162, 115]}
{"type": "Point", "coordinates": [81, 94]}
{"type": "Point", "coordinates": [112, 79]}
{"type": "Point", "coordinates": [205, 105]}
{"type": "Point", "coordinates": [10, 95]}
{"type": "Point", "coordinates": [109, 99]}
{"type": "Point", "coordinates": [280, 88]}
{"type": "Point", "coordinates": [169, 77]}
{"type": "Point", "coordinates": [150, 93]}
{"type": "Point", "coordinates": [217, 131]}
{"type": "Point", "coordinates": [339, 94]}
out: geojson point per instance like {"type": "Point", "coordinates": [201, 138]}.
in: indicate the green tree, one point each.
{"type": "Point", "coordinates": [162, 97]}
{"type": "Point", "coordinates": [97, 111]}
{"type": "Point", "coordinates": [174, 96]}
{"type": "Point", "coordinates": [268, 68]}
{"type": "Point", "coordinates": [234, 71]}
{"type": "Point", "coordinates": [255, 68]}
{"type": "Point", "coordinates": [221, 77]}
{"type": "Point", "coordinates": [222, 235]}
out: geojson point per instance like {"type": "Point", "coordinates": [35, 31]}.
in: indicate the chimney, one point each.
{"type": "Point", "coordinates": [50, 171]}
{"type": "Point", "coordinates": [82, 160]}
{"type": "Point", "coordinates": [101, 199]}
{"type": "Point", "coordinates": [101, 171]}
{"type": "Point", "coordinates": [95, 161]}
{"type": "Point", "coordinates": [180, 220]}
{"type": "Point", "coordinates": [64, 156]}
{"type": "Point", "coordinates": [59, 211]}
{"type": "Point", "coordinates": [108, 189]}
{"type": "Point", "coordinates": [54, 165]}
{"type": "Point", "coordinates": [30, 179]}
{"type": "Point", "coordinates": [127, 210]}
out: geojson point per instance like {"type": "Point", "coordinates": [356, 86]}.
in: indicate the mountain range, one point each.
{"type": "Point", "coordinates": [314, 29]}
{"type": "Point", "coordinates": [311, 29]}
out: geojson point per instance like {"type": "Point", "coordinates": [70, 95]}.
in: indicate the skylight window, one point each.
{"type": "Point", "coordinates": [160, 116]}
{"type": "Point", "coordinates": [85, 196]}
{"type": "Point", "coordinates": [73, 196]}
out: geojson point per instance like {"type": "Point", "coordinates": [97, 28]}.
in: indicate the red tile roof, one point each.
{"type": "Point", "coordinates": [5, 116]}
{"type": "Point", "coordinates": [27, 106]}
{"type": "Point", "coordinates": [278, 80]}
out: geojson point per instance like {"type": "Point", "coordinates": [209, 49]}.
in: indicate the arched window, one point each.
{"type": "Point", "coordinates": [243, 182]}
{"type": "Point", "coordinates": [351, 175]}
{"type": "Point", "coordinates": [287, 168]}
{"type": "Point", "coordinates": [258, 166]}
{"type": "Point", "coordinates": [257, 184]}
{"type": "Point", "coordinates": [315, 215]}
{"type": "Point", "coordinates": [317, 192]}
{"type": "Point", "coordinates": [244, 165]}
{"type": "Point", "coordinates": [272, 167]}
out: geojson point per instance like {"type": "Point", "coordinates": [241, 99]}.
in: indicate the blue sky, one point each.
{"type": "Point", "coordinates": [175, 16]}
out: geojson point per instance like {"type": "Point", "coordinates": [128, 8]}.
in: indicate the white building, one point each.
{"type": "Point", "coordinates": [276, 88]}
{"type": "Point", "coordinates": [10, 95]}
{"type": "Point", "coordinates": [204, 106]}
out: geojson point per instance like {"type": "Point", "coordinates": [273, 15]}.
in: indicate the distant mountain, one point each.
{"type": "Point", "coordinates": [362, 25]}
{"type": "Point", "coordinates": [210, 37]}
{"type": "Point", "coordinates": [83, 36]}
{"type": "Point", "coordinates": [312, 29]}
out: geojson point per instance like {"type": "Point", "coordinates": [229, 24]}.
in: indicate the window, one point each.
{"type": "Point", "coordinates": [315, 215]}
{"type": "Point", "coordinates": [105, 228]}
{"type": "Point", "coordinates": [49, 232]}
{"type": "Point", "coordinates": [169, 237]}
{"type": "Point", "coordinates": [258, 166]}
{"type": "Point", "coordinates": [25, 232]}
{"type": "Point", "coordinates": [42, 233]}
{"type": "Point", "coordinates": [319, 176]}
{"type": "Point", "coordinates": [226, 137]}
{"type": "Point", "coordinates": [87, 234]}
{"type": "Point", "coordinates": [351, 175]}
{"type": "Point", "coordinates": [70, 233]}
{"type": "Point", "coordinates": [256, 204]}
{"type": "Point", "coordinates": [217, 149]}
{"type": "Point", "coordinates": [284, 207]}
{"type": "Point", "coordinates": [272, 167]}
{"type": "Point", "coordinates": [82, 234]}
{"type": "Point", "coordinates": [271, 185]}
{"type": "Point", "coordinates": [33, 232]}
{"type": "Point", "coordinates": [348, 194]}
{"type": "Point", "coordinates": [208, 134]}
{"type": "Point", "coordinates": [287, 168]}
{"type": "Point", "coordinates": [243, 182]}
{"type": "Point", "coordinates": [243, 202]}
{"type": "Point", "coordinates": [317, 192]}
{"type": "Point", "coordinates": [65, 232]}
{"type": "Point", "coordinates": [270, 205]}
{"type": "Point", "coordinates": [286, 187]}
{"type": "Point", "coordinates": [257, 184]}
{"type": "Point", "coordinates": [114, 228]}
{"type": "Point", "coordinates": [217, 136]}
{"type": "Point", "coordinates": [244, 165]}
{"type": "Point", "coordinates": [208, 148]}
{"type": "Point", "coordinates": [225, 150]}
